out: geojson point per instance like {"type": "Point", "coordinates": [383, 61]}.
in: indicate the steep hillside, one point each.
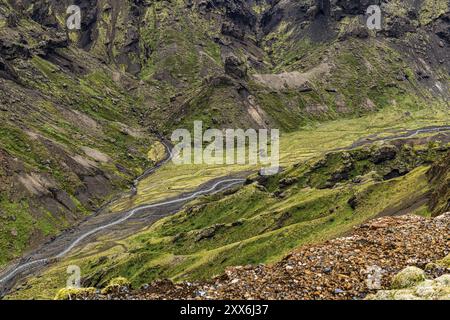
{"type": "Point", "coordinates": [70, 134]}
{"type": "Point", "coordinates": [263, 221]}
{"type": "Point", "coordinates": [440, 177]}
{"type": "Point", "coordinates": [364, 117]}
{"type": "Point", "coordinates": [266, 63]}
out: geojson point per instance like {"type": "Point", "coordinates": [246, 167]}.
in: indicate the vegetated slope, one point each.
{"type": "Point", "coordinates": [440, 177]}
{"type": "Point", "coordinates": [266, 219]}
{"type": "Point", "coordinates": [69, 135]}
{"type": "Point", "coordinates": [163, 64]}
{"type": "Point", "coordinates": [362, 263]}
{"type": "Point", "coordinates": [266, 63]}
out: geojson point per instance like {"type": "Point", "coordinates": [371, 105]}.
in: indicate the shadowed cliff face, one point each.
{"type": "Point", "coordinates": [131, 34]}
{"type": "Point", "coordinates": [70, 133]}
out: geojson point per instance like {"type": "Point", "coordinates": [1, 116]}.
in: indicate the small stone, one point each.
{"type": "Point", "coordinates": [201, 293]}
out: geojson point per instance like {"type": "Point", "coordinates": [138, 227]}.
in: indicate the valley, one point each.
{"type": "Point", "coordinates": [130, 222]}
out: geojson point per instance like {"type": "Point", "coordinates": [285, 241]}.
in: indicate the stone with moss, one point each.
{"type": "Point", "coordinates": [75, 293]}
{"type": "Point", "coordinates": [444, 262]}
{"type": "Point", "coordinates": [410, 284]}
{"type": "Point", "coordinates": [437, 289]}
{"type": "Point", "coordinates": [116, 285]}
{"type": "Point", "coordinates": [444, 280]}
{"type": "Point", "coordinates": [408, 277]}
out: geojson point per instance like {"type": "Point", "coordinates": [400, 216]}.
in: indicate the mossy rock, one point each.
{"type": "Point", "coordinates": [405, 294]}
{"type": "Point", "coordinates": [444, 262]}
{"type": "Point", "coordinates": [157, 152]}
{"type": "Point", "coordinates": [75, 293]}
{"type": "Point", "coordinates": [444, 280]}
{"type": "Point", "coordinates": [408, 277]}
{"type": "Point", "coordinates": [437, 289]}
{"type": "Point", "coordinates": [116, 285]}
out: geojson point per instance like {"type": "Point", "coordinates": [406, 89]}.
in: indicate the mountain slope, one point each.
{"type": "Point", "coordinates": [263, 221]}
{"type": "Point", "coordinates": [267, 63]}
{"type": "Point", "coordinates": [70, 133]}
{"type": "Point", "coordinates": [81, 109]}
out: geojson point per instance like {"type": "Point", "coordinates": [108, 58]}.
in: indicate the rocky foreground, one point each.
{"type": "Point", "coordinates": [363, 265]}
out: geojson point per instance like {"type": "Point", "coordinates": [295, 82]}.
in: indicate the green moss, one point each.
{"type": "Point", "coordinates": [15, 228]}
{"type": "Point", "coordinates": [445, 262]}
{"type": "Point", "coordinates": [156, 152]}
{"type": "Point", "coordinates": [432, 9]}
{"type": "Point", "coordinates": [408, 278]}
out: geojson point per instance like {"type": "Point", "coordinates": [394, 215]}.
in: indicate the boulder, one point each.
{"type": "Point", "coordinates": [383, 154]}
{"type": "Point", "coordinates": [408, 277]}
{"type": "Point", "coordinates": [235, 68]}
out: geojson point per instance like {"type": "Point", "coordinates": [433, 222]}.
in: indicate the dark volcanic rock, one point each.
{"type": "Point", "coordinates": [443, 28]}
{"type": "Point", "coordinates": [383, 154]}
{"type": "Point", "coordinates": [6, 71]}
{"type": "Point", "coordinates": [232, 30]}
{"type": "Point", "coordinates": [10, 50]}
